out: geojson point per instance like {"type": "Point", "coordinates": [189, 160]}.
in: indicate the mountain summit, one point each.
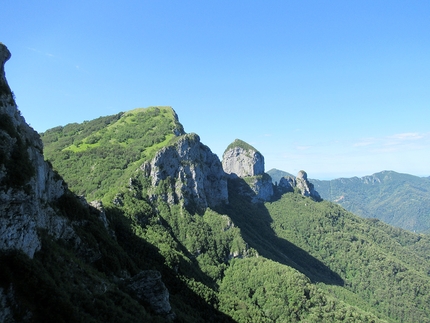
{"type": "Point", "coordinates": [241, 160]}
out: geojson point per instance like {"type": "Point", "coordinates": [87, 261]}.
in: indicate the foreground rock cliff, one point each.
{"type": "Point", "coordinates": [27, 183]}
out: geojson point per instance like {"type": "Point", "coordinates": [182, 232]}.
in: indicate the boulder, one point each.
{"type": "Point", "coordinates": [241, 159]}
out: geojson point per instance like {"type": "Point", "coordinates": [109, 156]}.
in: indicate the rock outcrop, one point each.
{"type": "Point", "coordinates": [148, 287]}
{"type": "Point", "coordinates": [306, 188]}
{"type": "Point", "coordinates": [191, 174]}
{"type": "Point", "coordinates": [28, 184]}
{"type": "Point", "coordinates": [287, 184]}
{"type": "Point", "coordinates": [241, 160]}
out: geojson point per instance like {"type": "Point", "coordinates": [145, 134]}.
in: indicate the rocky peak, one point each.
{"type": "Point", "coordinates": [288, 183]}
{"type": "Point", "coordinates": [148, 287]}
{"type": "Point", "coordinates": [241, 160]}
{"type": "Point", "coordinates": [192, 173]}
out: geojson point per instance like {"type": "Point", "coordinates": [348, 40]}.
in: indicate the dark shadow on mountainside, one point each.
{"type": "Point", "coordinates": [254, 220]}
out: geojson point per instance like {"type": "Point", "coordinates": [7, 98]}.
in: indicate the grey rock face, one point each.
{"type": "Point", "coordinates": [243, 161]}
{"type": "Point", "coordinates": [305, 186]}
{"type": "Point", "coordinates": [287, 184]}
{"type": "Point", "coordinates": [25, 199]}
{"type": "Point", "coordinates": [193, 174]}
{"type": "Point", "coordinates": [148, 287]}
{"type": "Point", "coordinates": [6, 303]}
{"type": "Point", "coordinates": [4, 57]}
{"type": "Point", "coordinates": [99, 211]}
{"type": "Point", "coordinates": [262, 186]}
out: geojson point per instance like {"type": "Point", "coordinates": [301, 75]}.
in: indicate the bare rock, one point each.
{"type": "Point", "coordinates": [28, 184]}
{"type": "Point", "coordinates": [287, 184]}
{"type": "Point", "coordinates": [241, 160]}
{"type": "Point", "coordinates": [192, 173]}
{"type": "Point", "coordinates": [149, 288]}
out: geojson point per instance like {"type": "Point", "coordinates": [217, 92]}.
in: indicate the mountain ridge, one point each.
{"type": "Point", "coordinates": [396, 198]}
{"type": "Point", "coordinates": [139, 252]}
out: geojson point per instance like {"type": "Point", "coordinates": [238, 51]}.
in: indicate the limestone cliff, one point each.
{"type": "Point", "coordinates": [241, 160]}
{"type": "Point", "coordinates": [27, 183]}
{"type": "Point", "coordinates": [192, 173]}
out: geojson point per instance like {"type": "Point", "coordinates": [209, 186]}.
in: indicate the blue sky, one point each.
{"type": "Point", "coordinates": [337, 88]}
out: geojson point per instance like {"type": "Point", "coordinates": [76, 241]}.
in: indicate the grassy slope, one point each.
{"type": "Point", "coordinates": [237, 143]}
{"type": "Point", "coordinates": [108, 149]}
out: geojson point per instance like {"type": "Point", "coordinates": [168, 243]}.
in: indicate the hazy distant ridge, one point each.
{"type": "Point", "coordinates": [398, 199]}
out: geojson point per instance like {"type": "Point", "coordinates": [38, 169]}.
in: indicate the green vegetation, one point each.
{"type": "Point", "coordinates": [290, 260]}
{"type": "Point", "coordinates": [93, 148]}
{"type": "Point", "coordinates": [240, 144]}
{"type": "Point", "coordinates": [383, 267]}
{"type": "Point", "coordinates": [398, 199]}
{"type": "Point", "coordinates": [4, 89]}
{"type": "Point", "coordinates": [260, 290]}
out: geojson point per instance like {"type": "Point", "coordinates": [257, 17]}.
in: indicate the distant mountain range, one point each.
{"type": "Point", "coordinates": [401, 200]}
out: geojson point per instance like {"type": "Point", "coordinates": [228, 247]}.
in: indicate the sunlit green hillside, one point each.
{"type": "Point", "coordinates": [108, 149]}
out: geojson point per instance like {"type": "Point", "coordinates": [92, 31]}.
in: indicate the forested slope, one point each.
{"type": "Point", "coordinates": [401, 200]}
{"type": "Point", "coordinates": [398, 199]}
{"type": "Point", "coordinates": [384, 269]}
{"type": "Point", "coordinates": [292, 259]}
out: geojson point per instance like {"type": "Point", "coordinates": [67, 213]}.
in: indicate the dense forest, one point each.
{"type": "Point", "coordinates": [401, 200]}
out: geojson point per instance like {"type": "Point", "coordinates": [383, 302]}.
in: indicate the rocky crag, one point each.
{"type": "Point", "coordinates": [301, 182]}
{"type": "Point", "coordinates": [192, 173]}
{"type": "Point", "coordinates": [241, 160]}
{"type": "Point", "coordinates": [28, 185]}
{"type": "Point", "coordinates": [149, 287]}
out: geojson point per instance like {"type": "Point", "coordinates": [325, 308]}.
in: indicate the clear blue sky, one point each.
{"type": "Point", "coordinates": [337, 88]}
